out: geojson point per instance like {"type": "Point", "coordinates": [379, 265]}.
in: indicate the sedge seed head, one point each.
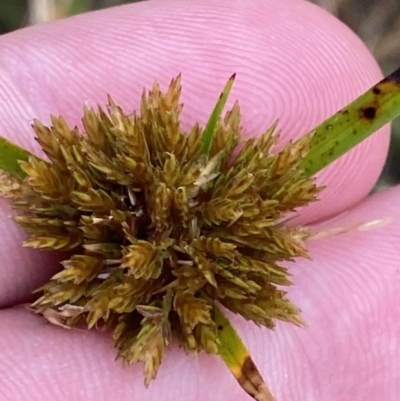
{"type": "Point", "coordinates": [160, 232]}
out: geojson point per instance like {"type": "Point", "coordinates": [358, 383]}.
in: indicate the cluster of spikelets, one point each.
{"type": "Point", "coordinates": [160, 232]}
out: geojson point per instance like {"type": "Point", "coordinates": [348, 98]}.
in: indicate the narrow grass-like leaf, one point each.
{"type": "Point", "coordinates": [10, 154]}
{"type": "Point", "coordinates": [215, 116]}
{"type": "Point", "coordinates": [352, 124]}
{"type": "Point", "coordinates": [238, 360]}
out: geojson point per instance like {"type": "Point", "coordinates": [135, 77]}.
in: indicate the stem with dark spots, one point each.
{"type": "Point", "coordinates": [352, 124]}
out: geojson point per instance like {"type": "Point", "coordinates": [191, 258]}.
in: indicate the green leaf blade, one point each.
{"type": "Point", "coordinates": [10, 155]}
{"type": "Point", "coordinates": [215, 116]}
{"type": "Point", "coordinates": [238, 359]}
{"type": "Point", "coordinates": [352, 124]}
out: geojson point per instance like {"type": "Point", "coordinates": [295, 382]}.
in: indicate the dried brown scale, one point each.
{"type": "Point", "coordinates": [160, 232]}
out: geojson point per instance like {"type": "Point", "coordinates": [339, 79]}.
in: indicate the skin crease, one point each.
{"type": "Point", "coordinates": [293, 61]}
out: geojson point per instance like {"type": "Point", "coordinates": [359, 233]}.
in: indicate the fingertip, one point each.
{"type": "Point", "coordinates": [22, 270]}
{"type": "Point", "coordinates": [293, 61]}
{"type": "Point", "coordinates": [81, 365]}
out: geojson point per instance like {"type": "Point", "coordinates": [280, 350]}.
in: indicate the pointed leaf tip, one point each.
{"type": "Point", "coordinates": [215, 116]}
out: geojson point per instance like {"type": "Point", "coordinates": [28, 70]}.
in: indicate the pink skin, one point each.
{"type": "Point", "coordinates": [293, 61]}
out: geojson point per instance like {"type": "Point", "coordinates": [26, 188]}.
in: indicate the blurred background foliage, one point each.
{"type": "Point", "coordinates": [377, 22]}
